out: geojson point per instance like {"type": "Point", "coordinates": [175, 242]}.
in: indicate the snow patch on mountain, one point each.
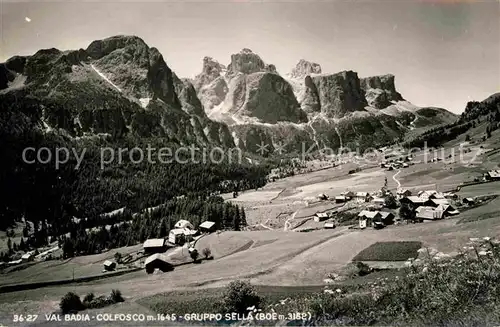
{"type": "Point", "coordinates": [105, 78]}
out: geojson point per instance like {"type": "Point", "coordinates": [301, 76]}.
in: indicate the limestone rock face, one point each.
{"type": "Point", "coordinates": [213, 94]}
{"type": "Point", "coordinates": [310, 99]}
{"type": "Point", "coordinates": [304, 68]}
{"type": "Point", "coordinates": [186, 94]}
{"type": "Point", "coordinates": [339, 93]}
{"type": "Point", "coordinates": [265, 96]}
{"type": "Point", "coordinates": [210, 72]}
{"type": "Point", "coordinates": [380, 91]}
{"type": "Point", "coordinates": [247, 62]}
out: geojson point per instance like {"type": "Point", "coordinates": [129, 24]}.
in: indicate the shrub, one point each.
{"type": "Point", "coordinates": [88, 298]}
{"type": "Point", "coordinates": [70, 303]}
{"type": "Point", "coordinates": [100, 302]}
{"type": "Point", "coordinates": [118, 257]}
{"type": "Point", "coordinates": [116, 296]}
{"type": "Point", "coordinates": [194, 254]}
{"type": "Point", "coordinates": [240, 295]}
{"type": "Point", "coordinates": [207, 253]}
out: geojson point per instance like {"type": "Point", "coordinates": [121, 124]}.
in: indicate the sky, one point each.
{"type": "Point", "coordinates": [443, 53]}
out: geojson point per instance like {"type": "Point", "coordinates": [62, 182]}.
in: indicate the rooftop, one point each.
{"type": "Point", "coordinates": [154, 242]}
{"type": "Point", "coordinates": [207, 224]}
{"type": "Point", "coordinates": [156, 256]}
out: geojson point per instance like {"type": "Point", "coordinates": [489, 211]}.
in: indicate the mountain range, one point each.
{"type": "Point", "coordinates": [120, 85]}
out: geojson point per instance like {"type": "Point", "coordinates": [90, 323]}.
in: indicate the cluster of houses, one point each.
{"type": "Point", "coordinates": [155, 248]}
{"type": "Point", "coordinates": [396, 164]}
{"type": "Point", "coordinates": [376, 219]}
{"type": "Point", "coordinates": [377, 198]}
{"type": "Point", "coordinates": [427, 205]}
{"type": "Point", "coordinates": [432, 205]}
{"type": "Point", "coordinates": [182, 232]}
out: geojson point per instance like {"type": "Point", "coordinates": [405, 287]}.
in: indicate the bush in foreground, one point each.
{"type": "Point", "coordinates": [239, 296]}
{"type": "Point", "coordinates": [116, 296]}
{"type": "Point", "coordinates": [71, 303]}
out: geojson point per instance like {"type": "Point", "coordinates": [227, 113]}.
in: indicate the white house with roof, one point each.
{"type": "Point", "coordinates": [362, 197]}
{"type": "Point", "coordinates": [321, 216]}
{"type": "Point", "coordinates": [366, 218]}
{"type": "Point", "coordinates": [183, 224]}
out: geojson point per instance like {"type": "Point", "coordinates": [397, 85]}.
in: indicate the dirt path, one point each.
{"type": "Point", "coordinates": [287, 222]}
{"type": "Point", "coordinates": [395, 179]}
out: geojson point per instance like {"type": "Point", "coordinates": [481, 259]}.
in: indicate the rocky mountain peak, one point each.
{"type": "Point", "coordinates": [211, 70]}
{"type": "Point", "coordinates": [304, 68]}
{"type": "Point", "coordinates": [100, 48]}
{"type": "Point", "coordinates": [246, 62]}
{"type": "Point", "coordinates": [380, 90]}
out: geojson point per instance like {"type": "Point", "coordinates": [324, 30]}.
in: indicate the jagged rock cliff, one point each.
{"type": "Point", "coordinates": [339, 94]}
{"type": "Point", "coordinates": [247, 62]}
{"type": "Point", "coordinates": [380, 91]}
{"type": "Point", "coordinates": [210, 84]}
{"type": "Point", "coordinates": [265, 96]}
{"type": "Point", "coordinates": [304, 68]}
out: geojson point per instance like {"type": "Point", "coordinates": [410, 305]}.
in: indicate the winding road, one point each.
{"type": "Point", "coordinates": [395, 179]}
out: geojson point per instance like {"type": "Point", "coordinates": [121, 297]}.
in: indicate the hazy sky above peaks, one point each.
{"type": "Point", "coordinates": [443, 53]}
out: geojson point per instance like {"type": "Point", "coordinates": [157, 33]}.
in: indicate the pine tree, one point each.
{"type": "Point", "coordinates": [162, 231]}
{"type": "Point", "coordinates": [9, 245]}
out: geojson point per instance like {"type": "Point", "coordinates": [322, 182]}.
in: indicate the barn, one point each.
{"type": "Point", "coordinates": [177, 236]}
{"type": "Point", "coordinates": [109, 265]}
{"type": "Point", "coordinates": [154, 245]}
{"type": "Point", "coordinates": [157, 261]}
{"type": "Point", "coordinates": [207, 227]}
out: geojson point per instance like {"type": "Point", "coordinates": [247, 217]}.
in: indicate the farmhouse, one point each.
{"type": "Point", "coordinates": [366, 218]}
{"type": "Point", "coordinates": [403, 193]}
{"type": "Point", "coordinates": [348, 194]}
{"type": "Point", "coordinates": [109, 265]}
{"type": "Point", "coordinates": [429, 214]}
{"type": "Point", "coordinates": [28, 256]}
{"type": "Point", "coordinates": [431, 194]}
{"type": "Point", "coordinates": [380, 201]}
{"type": "Point", "coordinates": [493, 175]}
{"type": "Point", "coordinates": [447, 209]}
{"type": "Point", "coordinates": [387, 217]}
{"type": "Point", "coordinates": [340, 199]}
{"type": "Point", "coordinates": [323, 197]}
{"type": "Point", "coordinates": [416, 201]}
{"type": "Point", "coordinates": [468, 201]}
{"type": "Point", "coordinates": [321, 216]}
{"type": "Point", "coordinates": [207, 227]}
{"type": "Point", "coordinates": [362, 197]}
{"type": "Point", "coordinates": [154, 245]}
{"type": "Point", "coordinates": [183, 224]}
{"type": "Point", "coordinates": [157, 261]}
{"type": "Point", "coordinates": [450, 195]}
{"type": "Point", "coordinates": [329, 225]}
{"type": "Point", "coordinates": [437, 202]}
{"type": "Point", "coordinates": [177, 236]}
